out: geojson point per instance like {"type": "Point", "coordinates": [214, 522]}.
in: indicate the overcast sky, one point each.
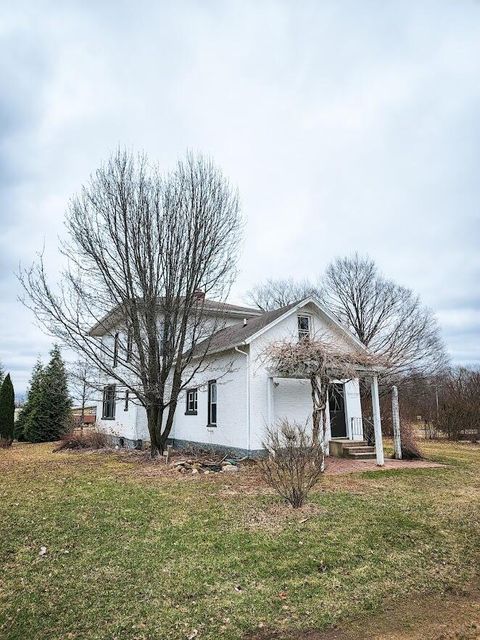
{"type": "Point", "coordinates": [347, 126]}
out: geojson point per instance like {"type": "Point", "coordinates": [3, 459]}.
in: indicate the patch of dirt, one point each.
{"type": "Point", "coordinates": [274, 517]}
{"type": "Point", "coordinates": [440, 617]}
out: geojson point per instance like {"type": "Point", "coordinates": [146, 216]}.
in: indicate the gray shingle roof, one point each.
{"type": "Point", "coordinates": [236, 334]}
{"type": "Point", "coordinates": [221, 308]}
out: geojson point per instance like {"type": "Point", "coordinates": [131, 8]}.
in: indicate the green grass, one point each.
{"type": "Point", "coordinates": [133, 554]}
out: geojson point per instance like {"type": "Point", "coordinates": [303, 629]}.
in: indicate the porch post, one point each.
{"type": "Point", "coordinates": [397, 442]}
{"type": "Point", "coordinates": [377, 424]}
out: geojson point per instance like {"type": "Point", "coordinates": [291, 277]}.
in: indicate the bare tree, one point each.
{"type": "Point", "coordinates": [388, 319]}
{"type": "Point", "coordinates": [273, 294]}
{"type": "Point", "coordinates": [459, 407]}
{"type": "Point", "coordinates": [83, 384]}
{"type": "Point", "coordinates": [140, 248]}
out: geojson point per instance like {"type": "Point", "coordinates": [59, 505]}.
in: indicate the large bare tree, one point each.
{"type": "Point", "coordinates": [387, 318]}
{"type": "Point", "coordinates": [142, 252]}
{"type": "Point", "coordinates": [273, 294]}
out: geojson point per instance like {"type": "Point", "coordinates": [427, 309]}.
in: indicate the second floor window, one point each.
{"type": "Point", "coordinates": [212, 403]}
{"type": "Point", "coordinates": [192, 402]}
{"type": "Point", "coordinates": [108, 408]}
{"type": "Point", "coordinates": [127, 398]}
{"type": "Point", "coordinates": [304, 327]}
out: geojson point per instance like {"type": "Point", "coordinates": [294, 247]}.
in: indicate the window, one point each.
{"type": "Point", "coordinates": [128, 356]}
{"type": "Point", "coordinates": [115, 350]}
{"type": "Point", "coordinates": [127, 393]}
{"type": "Point", "coordinates": [212, 403]}
{"type": "Point", "coordinates": [303, 327]}
{"type": "Point", "coordinates": [191, 408]}
{"type": "Point", "coordinates": [108, 409]}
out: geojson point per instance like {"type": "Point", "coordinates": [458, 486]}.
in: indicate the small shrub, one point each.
{"type": "Point", "coordinates": [410, 449]}
{"type": "Point", "coordinates": [83, 440]}
{"type": "Point", "coordinates": [294, 464]}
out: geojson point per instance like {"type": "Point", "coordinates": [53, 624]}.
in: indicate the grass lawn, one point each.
{"type": "Point", "coordinates": [135, 551]}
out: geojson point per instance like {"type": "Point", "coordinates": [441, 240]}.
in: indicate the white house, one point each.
{"type": "Point", "coordinates": [229, 404]}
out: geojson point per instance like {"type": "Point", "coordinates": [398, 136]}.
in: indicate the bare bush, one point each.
{"type": "Point", "coordinates": [294, 463]}
{"type": "Point", "coordinates": [83, 440]}
{"type": "Point", "coordinates": [408, 439]}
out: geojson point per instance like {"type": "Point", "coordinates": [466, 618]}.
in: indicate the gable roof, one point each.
{"type": "Point", "coordinates": [238, 334]}
{"type": "Point", "coordinates": [113, 317]}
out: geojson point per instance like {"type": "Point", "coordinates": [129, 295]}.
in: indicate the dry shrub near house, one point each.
{"type": "Point", "coordinates": [294, 463]}
{"type": "Point", "coordinates": [410, 449]}
{"type": "Point", "coordinates": [91, 439]}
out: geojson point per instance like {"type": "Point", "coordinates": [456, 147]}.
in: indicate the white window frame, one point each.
{"type": "Point", "coordinates": [304, 334]}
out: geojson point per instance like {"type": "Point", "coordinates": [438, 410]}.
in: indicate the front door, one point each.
{"type": "Point", "coordinates": [336, 405]}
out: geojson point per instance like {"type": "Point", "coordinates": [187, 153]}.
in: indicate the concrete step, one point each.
{"type": "Point", "coordinates": [364, 449]}
{"type": "Point", "coordinates": [350, 444]}
{"type": "Point", "coordinates": [364, 455]}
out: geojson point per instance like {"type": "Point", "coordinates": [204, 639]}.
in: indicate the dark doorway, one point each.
{"type": "Point", "coordinates": [336, 405]}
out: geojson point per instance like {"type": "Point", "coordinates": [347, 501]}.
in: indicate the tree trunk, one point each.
{"type": "Point", "coordinates": [316, 413]}
{"type": "Point", "coordinates": [168, 424]}
{"type": "Point", "coordinates": [319, 401]}
{"type": "Point", "coordinates": [154, 422]}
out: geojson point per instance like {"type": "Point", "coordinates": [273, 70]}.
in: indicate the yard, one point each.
{"type": "Point", "coordinates": [133, 551]}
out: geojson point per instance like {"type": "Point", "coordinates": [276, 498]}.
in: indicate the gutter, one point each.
{"type": "Point", "coordinates": [244, 353]}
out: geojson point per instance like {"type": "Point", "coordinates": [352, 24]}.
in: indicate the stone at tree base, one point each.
{"type": "Point", "coordinates": [230, 468]}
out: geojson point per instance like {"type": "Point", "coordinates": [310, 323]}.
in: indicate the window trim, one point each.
{"type": "Point", "coordinates": [129, 348]}
{"type": "Point", "coordinates": [112, 401]}
{"type": "Point", "coordinates": [302, 333]}
{"type": "Point", "coordinates": [210, 404]}
{"type": "Point", "coordinates": [115, 349]}
{"type": "Point", "coordinates": [194, 411]}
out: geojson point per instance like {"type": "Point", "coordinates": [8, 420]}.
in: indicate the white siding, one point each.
{"type": "Point", "coordinates": [230, 371]}
{"type": "Point", "coordinates": [124, 422]}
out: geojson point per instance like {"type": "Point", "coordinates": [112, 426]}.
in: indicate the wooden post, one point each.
{"type": "Point", "coordinates": [397, 443]}
{"type": "Point", "coordinates": [377, 423]}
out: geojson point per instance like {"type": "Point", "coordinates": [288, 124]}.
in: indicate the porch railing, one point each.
{"type": "Point", "coordinates": [356, 427]}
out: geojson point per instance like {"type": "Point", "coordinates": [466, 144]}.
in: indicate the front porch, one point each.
{"type": "Point", "coordinates": [344, 428]}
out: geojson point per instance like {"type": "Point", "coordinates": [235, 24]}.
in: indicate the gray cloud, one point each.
{"type": "Point", "coordinates": [347, 126]}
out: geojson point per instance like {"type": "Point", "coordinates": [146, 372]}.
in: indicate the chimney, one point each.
{"type": "Point", "coordinates": [244, 322]}
{"type": "Point", "coordinates": [199, 295]}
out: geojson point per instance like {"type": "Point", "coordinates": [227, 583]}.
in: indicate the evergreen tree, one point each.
{"type": "Point", "coordinates": [30, 410]}
{"type": "Point", "coordinates": [7, 410]}
{"type": "Point", "coordinates": [50, 417]}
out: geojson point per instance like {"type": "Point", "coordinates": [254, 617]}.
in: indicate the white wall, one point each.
{"type": "Point", "coordinates": [125, 421]}
{"type": "Point", "coordinates": [353, 407]}
{"type": "Point", "coordinates": [230, 371]}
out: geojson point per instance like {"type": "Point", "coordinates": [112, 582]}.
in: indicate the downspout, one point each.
{"type": "Point", "coordinates": [244, 353]}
